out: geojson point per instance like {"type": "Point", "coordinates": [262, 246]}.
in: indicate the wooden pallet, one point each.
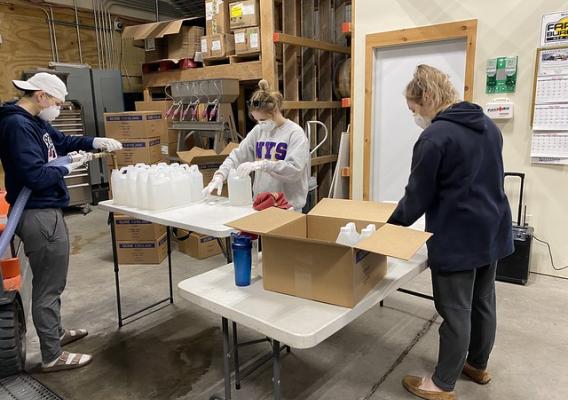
{"type": "Point", "coordinates": [241, 58]}
{"type": "Point", "coordinates": [210, 62]}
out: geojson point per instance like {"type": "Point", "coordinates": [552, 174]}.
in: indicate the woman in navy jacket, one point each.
{"type": "Point", "coordinates": [456, 179]}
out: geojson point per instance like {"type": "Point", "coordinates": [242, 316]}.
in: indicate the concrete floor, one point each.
{"type": "Point", "coordinates": [175, 353]}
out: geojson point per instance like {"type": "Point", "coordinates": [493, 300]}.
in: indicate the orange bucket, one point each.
{"type": "Point", "coordinates": [10, 267]}
{"type": "Point", "coordinates": [4, 206]}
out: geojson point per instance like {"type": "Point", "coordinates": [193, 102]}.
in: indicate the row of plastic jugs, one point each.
{"type": "Point", "coordinates": [349, 236]}
{"type": "Point", "coordinates": [156, 187]}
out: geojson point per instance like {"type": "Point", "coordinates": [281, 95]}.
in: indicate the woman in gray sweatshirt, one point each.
{"type": "Point", "coordinates": [276, 149]}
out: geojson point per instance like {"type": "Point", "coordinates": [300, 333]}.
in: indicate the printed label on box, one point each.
{"type": "Point", "coordinates": [208, 11]}
{"type": "Point", "coordinates": [131, 222]}
{"type": "Point", "coordinates": [117, 118]}
{"type": "Point", "coordinates": [236, 10]}
{"type": "Point", "coordinates": [134, 145]}
{"type": "Point", "coordinates": [204, 45]}
{"type": "Point", "coordinates": [206, 239]}
{"type": "Point", "coordinates": [150, 44]}
{"type": "Point", "coordinates": [240, 37]}
{"type": "Point", "coordinates": [248, 9]}
{"type": "Point", "coordinates": [360, 255]}
{"type": "Point", "coordinates": [254, 41]}
{"type": "Point", "coordinates": [216, 45]}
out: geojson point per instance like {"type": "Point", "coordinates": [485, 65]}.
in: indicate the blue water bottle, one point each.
{"type": "Point", "coordinates": [242, 259]}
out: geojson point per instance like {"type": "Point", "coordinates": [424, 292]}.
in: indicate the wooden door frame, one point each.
{"type": "Point", "coordinates": [425, 34]}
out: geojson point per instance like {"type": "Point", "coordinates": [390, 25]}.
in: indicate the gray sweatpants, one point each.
{"type": "Point", "coordinates": [466, 302]}
{"type": "Point", "coordinates": [46, 244]}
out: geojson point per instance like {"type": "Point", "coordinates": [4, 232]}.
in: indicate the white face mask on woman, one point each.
{"type": "Point", "coordinates": [50, 113]}
{"type": "Point", "coordinates": [421, 121]}
{"type": "Point", "coordinates": [267, 125]}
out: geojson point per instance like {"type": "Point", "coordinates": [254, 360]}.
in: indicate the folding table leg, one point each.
{"type": "Point", "coordinates": [276, 369]}
{"type": "Point", "coordinates": [116, 268]}
{"type": "Point", "coordinates": [229, 250]}
{"type": "Point", "coordinates": [169, 238]}
{"type": "Point", "coordinates": [226, 359]}
{"type": "Point", "coordinates": [236, 357]}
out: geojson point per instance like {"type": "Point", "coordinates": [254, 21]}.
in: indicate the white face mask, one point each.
{"type": "Point", "coordinates": [421, 121]}
{"type": "Point", "coordinates": [50, 113]}
{"type": "Point", "coordinates": [267, 125]}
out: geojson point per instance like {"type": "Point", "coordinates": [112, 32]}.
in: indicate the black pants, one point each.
{"type": "Point", "coordinates": [466, 302]}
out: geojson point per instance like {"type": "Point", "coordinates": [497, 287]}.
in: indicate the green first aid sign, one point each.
{"type": "Point", "coordinates": [502, 75]}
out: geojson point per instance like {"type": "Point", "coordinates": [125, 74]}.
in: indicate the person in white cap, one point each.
{"type": "Point", "coordinates": [29, 142]}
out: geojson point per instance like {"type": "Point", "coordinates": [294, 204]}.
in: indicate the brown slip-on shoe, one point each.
{"type": "Point", "coordinates": [479, 376]}
{"type": "Point", "coordinates": [412, 384]}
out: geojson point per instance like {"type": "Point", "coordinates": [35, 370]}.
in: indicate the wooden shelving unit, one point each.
{"type": "Point", "coordinates": [311, 48]}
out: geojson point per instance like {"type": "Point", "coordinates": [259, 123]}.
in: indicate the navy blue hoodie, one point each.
{"type": "Point", "coordinates": [27, 143]}
{"type": "Point", "coordinates": [456, 179]}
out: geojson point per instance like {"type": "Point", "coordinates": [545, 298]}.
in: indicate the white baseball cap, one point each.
{"type": "Point", "coordinates": [49, 83]}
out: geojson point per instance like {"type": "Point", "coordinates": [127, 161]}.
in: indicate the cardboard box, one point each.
{"type": "Point", "coordinates": [185, 43]}
{"type": "Point", "coordinates": [166, 39]}
{"type": "Point", "coordinates": [134, 151]}
{"type": "Point", "coordinates": [300, 256]}
{"type": "Point", "coordinates": [133, 124]}
{"type": "Point", "coordinates": [208, 161]}
{"type": "Point", "coordinates": [244, 14]}
{"type": "Point", "coordinates": [219, 45]}
{"type": "Point", "coordinates": [216, 16]}
{"type": "Point", "coordinates": [142, 252]}
{"type": "Point", "coordinates": [197, 246]}
{"type": "Point", "coordinates": [247, 40]}
{"type": "Point", "coordinates": [132, 229]}
{"type": "Point", "coordinates": [162, 107]}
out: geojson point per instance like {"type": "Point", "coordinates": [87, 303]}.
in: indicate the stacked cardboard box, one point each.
{"type": "Point", "coordinates": [139, 242]}
{"type": "Point", "coordinates": [247, 41]}
{"type": "Point", "coordinates": [139, 132]}
{"type": "Point", "coordinates": [216, 16]}
{"type": "Point", "coordinates": [217, 46]}
{"type": "Point", "coordinates": [196, 245]}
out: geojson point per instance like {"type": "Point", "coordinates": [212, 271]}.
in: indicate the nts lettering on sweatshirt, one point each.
{"type": "Point", "coordinates": [271, 150]}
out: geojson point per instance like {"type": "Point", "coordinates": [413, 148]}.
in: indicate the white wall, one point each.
{"type": "Point", "coordinates": [505, 28]}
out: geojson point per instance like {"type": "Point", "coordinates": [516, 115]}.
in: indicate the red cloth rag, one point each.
{"type": "Point", "coordinates": [270, 199]}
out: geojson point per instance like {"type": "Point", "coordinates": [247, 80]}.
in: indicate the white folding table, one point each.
{"type": "Point", "coordinates": [207, 217]}
{"type": "Point", "coordinates": [282, 319]}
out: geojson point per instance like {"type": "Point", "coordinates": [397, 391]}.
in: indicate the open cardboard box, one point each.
{"type": "Point", "coordinates": [300, 256]}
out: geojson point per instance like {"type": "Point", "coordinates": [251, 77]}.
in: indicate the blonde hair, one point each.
{"type": "Point", "coordinates": [265, 100]}
{"type": "Point", "coordinates": [432, 87]}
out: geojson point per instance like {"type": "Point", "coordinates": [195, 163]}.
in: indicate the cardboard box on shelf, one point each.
{"type": "Point", "coordinates": [244, 14]}
{"type": "Point", "coordinates": [174, 39]}
{"type": "Point", "coordinates": [185, 43]}
{"type": "Point", "coordinates": [247, 41]}
{"type": "Point", "coordinates": [216, 16]}
{"type": "Point", "coordinates": [196, 245]}
{"type": "Point", "coordinates": [300, 256]}
{"type": "Point", "coordinates": [133, 124]}
{"type": "Point", "coordinates": [220, 45]}
{"type": "Point", "coordinates": [208, 161]}
{"type": "Point", "coordinates": [142, 252]}
{"type": "Point", "coordinates": [133, 229]}
{"type": "Point", "coordinates": [134, 151]}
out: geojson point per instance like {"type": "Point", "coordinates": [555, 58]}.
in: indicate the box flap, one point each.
{"type": "Point", "coordinates": [394, 241]}
{"type": "Point", "coordinates": [155, 30]}
{"type": "Point", "coordinates": [265, 221]}
{"type": "Point", "coordinates": [353, 209]}
{"type": "Point", "coordinates": [198, 155]}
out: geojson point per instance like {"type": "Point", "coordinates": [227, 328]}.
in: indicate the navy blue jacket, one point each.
{"type": "Point", "coordinates": [457, 179]}
{"type": "Point", "coordinates": [27, 143]}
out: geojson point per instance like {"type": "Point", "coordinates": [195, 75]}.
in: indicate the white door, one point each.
{"type": "Point", "coordinates": [393, 130]}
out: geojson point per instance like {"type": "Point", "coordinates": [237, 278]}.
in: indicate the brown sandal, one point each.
{"type": "Point", "coordinates": [72, 335]}
{"type": "Point", "coordinates": [68, 361]}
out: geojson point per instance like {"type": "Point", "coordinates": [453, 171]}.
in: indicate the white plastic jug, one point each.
{"type": "Point", "coordinates": [348, 235]}
{"type": "Point", "coordinates": [142, 189]}
{"type": "Point", "coordinates": [131, 175]}
{"type": "Point", "coordinates": [368, 231]}
{"type": "Point", "coordinates": [240, 189]}
{"type": "Point", "coordinates": [119, 186]}
{"type": "Point", "coordinates": [160, 194]}
{"type": "Point", "coordinates": [196, 185]}
{"type": "Point", "coordinates": [181, 185]}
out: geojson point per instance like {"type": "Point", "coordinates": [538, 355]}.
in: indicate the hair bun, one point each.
{"type": "Point", "coordinates": [263, 85]}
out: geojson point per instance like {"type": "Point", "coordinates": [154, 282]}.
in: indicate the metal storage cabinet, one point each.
{"type": "Point", "coordinates": [71, 122]}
